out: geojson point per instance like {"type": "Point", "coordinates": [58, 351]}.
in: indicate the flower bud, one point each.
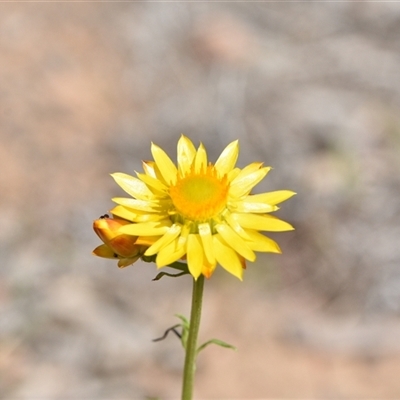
{"type": "Point", "coordinates": [117, 245]}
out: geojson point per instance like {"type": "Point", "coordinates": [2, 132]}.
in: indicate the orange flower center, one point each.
{"type": "Point", "coordinates": [200, 196]}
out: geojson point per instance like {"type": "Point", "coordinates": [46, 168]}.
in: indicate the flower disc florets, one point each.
{"type": "Point", "coordinates": [200, 211]}
{"type": "Point", "coordinates": [200, 196]}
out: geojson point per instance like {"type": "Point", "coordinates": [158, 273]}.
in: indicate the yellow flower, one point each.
{"type": "Point", "coordinates": [199, 210]}
{"type": "Point", "coordinates": [116, 244]}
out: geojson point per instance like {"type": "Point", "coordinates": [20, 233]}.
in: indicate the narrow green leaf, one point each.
{"type": "Point", "coordinates": [185, 329]}
{"type": "Point", "coordinates": [179, 265]}
{"type": "Point", "coordinates": [217, 342]}
{"type": "Point", "coordinates": [172, 329]}
{"type": "Point", "coordinates": [161, 274]}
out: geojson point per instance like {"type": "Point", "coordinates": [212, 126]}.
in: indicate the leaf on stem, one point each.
{"type": "Point", "coordinates": [217, 342]}
{"type": "Point", "coordinates": [172, 329]}
{"type": "Point", "coordinates": [185, 329]}
{"type": "Point", "coordinates": [161, 274]}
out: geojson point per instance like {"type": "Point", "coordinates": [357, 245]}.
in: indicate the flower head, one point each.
{"type": "Point", "coordinates": [199, 210]}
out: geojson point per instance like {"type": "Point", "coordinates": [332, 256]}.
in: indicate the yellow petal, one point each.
{"type": "Point", "coordinates": [244, 182]}
{"type": "Point", "coordinates": [158, 188]}
{"type": "Point", "coordinates": [226, 257]}
{"type": "Point", "coordinates": [142, 205]}
{"type": "Point", "coordinates": [208, 268]}
{"type": "Point", "coordinates": [195, 255]}
{"type": "Point", "coordinates": [166, 166]}
{"type": "Point", "coordinates": [246, 206]}
{"type": "Point", "coordinates": [262, 222]}
{"type": "Point", "coordinates": [248, 169]}
{"type": "Point", "coordinates": [200, 162]}
{"type": "Point", "coordinates": [236, 227]}
{"type": "Point", "coordinates": [227, 160]}
{"type": "Point", "coordinates": [259, 242]}
{"type": "Point", "coordinates": [206, 238]}
{"type": "Point", "coordinates": [124, 212]}
{"type": "Point", "coordinates": [272, 198]}
{"type": "Point", "coordinates": [235, 241]}
{"type": "Point", "coordinates": [159, 175]}
{"type": "Point", "coordinates": [147, 228]}
{"type": "Point", "coordinates": [153, 183]}
{"type": "Point", "coordinates": [149, 217]}
{"type": "Point", "coordinates": [172, 233]}
{"type": "Point", "coordinates": [170, 253]}
{"type": "Point", "coordinates": [148, 168]}
{"type": "Point", "coordinates": [185, 155]}
{"type": "Point", "coordinates": [182, 240]}
{"type": "Point", "coordinates": [135, 215]}
{"type": "Point", "coordinates": [133, 186]}
{"type": "Point", "coordinates": [232, 175]}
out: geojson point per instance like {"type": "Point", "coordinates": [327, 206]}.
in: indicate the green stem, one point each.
{"type": "Point", "coordinates": [191, 344]}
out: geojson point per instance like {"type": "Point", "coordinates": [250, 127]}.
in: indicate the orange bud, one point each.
{"type": "Point", "coordinates": [121, 244]}
{"type": "Point", "coordinates": [107, 228]}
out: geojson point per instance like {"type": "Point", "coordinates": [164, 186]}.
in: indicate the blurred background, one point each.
{"type": "Point", "coordinates": [312, 89]}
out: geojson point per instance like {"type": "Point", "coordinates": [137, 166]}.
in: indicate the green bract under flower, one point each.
{"type": "Point", "coordinates": [199, 210]}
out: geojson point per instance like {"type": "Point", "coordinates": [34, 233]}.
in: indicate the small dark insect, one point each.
{"type": "Point", "coordinates": [104, 216]}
